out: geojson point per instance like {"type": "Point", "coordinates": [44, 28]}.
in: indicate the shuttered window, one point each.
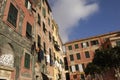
{"type": "Point", "coordinates": [43, 12]}
{"type": "Point", "coordinates": [27, 61]}
{"type": "Point", "coordinates": [78, 55]}
{"type": "Point", "coordinates": [87, 54]}
{"type": "Point", "coordinates": [29, 31]}
{"type": "Point", "coordinates": [39, 19]}
{"type": "Point", "coordinates": [12, 15]}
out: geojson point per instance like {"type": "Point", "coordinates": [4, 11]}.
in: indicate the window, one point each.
{"type": "Point", "coordinates": [78, 55]}
{"type": "Point", "coordinates": [29, 31]}
{"type": "Point", "coordinates": [12, 15]}
{"type": "Point", "coordinates": [118, 43]}
{"type": "Point", "coordinates": [65, 63]}
{"type": "Point", "coordinates": [39, 41]}
{"type": "Point", "coordinates": [76, 67]}
{"type": "Point", "coordinates": [27, 61]}
{"type": "Point", "coordinates": [44, 29]}
{"type": "Point", "coordinates": [27, 4]}
{"type": "Point", "coordinates": [95, 42]}
{"type": "Point", "coordinates": [43, 12]}
{"type": "Point", "coordinates": [76, 46]}
{"type": "Point", "coordinates": [83, 66]}
{"type": "Point", "coordinates": [50, 36]}
{"type": "Point", "coordinates": [70, 47]}
{"type": "Point", "coordinates": [52, 27]}
{"type": "Point", "coordinates": [85, 44]}
{"type": "Point", "coordinates": [39, 19]}
{"type": "Point", "coordinates": [71, 57]}
{"type": "Point", "coordinates": [51, 61]}
{"type": "Point", "coordinates": [48, 21]}
{"type": "Point", "coordinates": [70, 68]}
{"type": "Point", "coordinates": [87, 55]}
{"type": "Point", "coordinates": [44, 45]}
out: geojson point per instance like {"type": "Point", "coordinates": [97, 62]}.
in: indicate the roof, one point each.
{"type": "Point", "coordinates": [92, 37]}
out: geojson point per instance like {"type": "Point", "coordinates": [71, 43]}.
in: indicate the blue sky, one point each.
{"type": "Point", "coordinates": [87, 17]}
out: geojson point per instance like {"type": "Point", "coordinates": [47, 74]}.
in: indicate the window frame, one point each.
{"type": "Point", "coordinates": [71, 57]}
{"type": "Point", "coordinates": [94, 42]}
{"type": "Point", "coordinates": [12, 15]}
{"type": "Point", "coordinates": [87, 54]}
{"type": "Point", "coordinates": [78, 54]}
{"type": "Point", "coordinates": [70, 47]}
{"type": "Point", "coordinates": [27, 61]}
{"type": "Point", "coordinates": [28, 33]}
{"type": "Point", "coordinates": [76, 46]}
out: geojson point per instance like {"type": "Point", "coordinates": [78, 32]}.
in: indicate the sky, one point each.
{"type": "Point", "coordinates": [78, 19]}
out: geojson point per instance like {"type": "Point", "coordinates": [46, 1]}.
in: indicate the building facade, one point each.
{"type": "Point", "coordinates": [80, 52]}
{"type": "Point", "coordinates": [16, 23]}
{"type": "Point", "coordinates": [59, 73]}
{"type": "Point", "coordinates": [27, 46]}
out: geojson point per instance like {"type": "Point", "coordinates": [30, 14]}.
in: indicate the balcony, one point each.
{"type": "Point", "coordinates": [56, 46]}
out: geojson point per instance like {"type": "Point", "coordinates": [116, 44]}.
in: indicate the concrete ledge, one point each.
{"type": "Point", "coordinates": [6, 68]}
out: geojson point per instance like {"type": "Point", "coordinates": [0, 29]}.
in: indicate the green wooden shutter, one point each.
{"type": "Point", "coordinates": [27, 61]}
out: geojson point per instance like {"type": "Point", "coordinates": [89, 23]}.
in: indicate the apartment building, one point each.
{"type": "Point", "coordinates": [80, 52]}
{"type": "Point", "coordinates": [28, 43]}
{"type": "Point", "coordinates": [16, 24]}
{"type": "Point", "coordinates": [43, 40]}
{"type": "Point", "coordinates": [59, 73]}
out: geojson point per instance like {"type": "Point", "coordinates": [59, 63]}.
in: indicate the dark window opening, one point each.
{"type": "Point", "coordinates": [50, 36]}
{"type": "Point", "coordinates": [29, 31]}
{"type": "Point", "coordinates": [39, 41]}
{"type": "Point", "coordinates": [87, 55]}
{"type": "Point", "coordinates": [65, 63]}
{"type": "Point", "coordinates": [44, 29]}
{"type": "Point", "coordinates": [76, 67]}
{"type": "Point", "coordinates": [76, 46]}
{"type": "Point", "coordinates": [39, 19]}
{"type": "Point", "coordinates": [95, 42]}
{"type": "Point", "coordinates": [44, 45]}
{"type": "Point", "coordinates": [12, 15]}
{"type": "Point", "coordinates": [70, 47]}
{"type": "Point", "coordinates": [67, 76]}
{"type": "Point", "coordinates": [78, 56]}
{"type": "Point", "coordinates": [71, 58]}
{"type": "Point", "coordinates": [27, 61]}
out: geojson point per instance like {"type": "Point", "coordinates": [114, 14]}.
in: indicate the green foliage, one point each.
{"type": "Point", "coordinates": [103, 60]}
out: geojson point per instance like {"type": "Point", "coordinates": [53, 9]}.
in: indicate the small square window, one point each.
{"type": "Point", "coordinates": [87, 55]}
{"type": "Point", "coordinates": [76, 46]}
{"type": "Point", "coordinates": [78, 55]}
{"type": "Point", "coordinates": [70, 47]}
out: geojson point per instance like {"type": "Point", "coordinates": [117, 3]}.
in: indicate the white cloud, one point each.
{"type": "Point", "coordinates": [67, 13]}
